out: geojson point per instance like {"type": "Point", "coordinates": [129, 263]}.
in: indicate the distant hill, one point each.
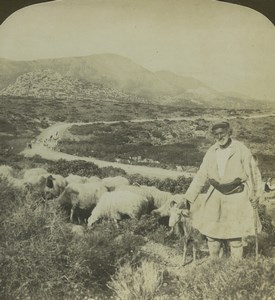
{"type": "Point", "coordinates": [48, 84]}
{"type": "Point", "coordinates": [104, 77]}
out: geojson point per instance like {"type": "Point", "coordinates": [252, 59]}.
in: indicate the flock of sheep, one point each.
{"type": "Point", "coordinates": [88, 199]}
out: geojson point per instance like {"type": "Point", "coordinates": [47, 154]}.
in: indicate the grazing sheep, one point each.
{"type": "Point", "coordinates": [35, 183]}
{"type": "Point", "coordinates": [116, 204]}
{"type": "Point", "coordinates": [94, 179]}
{"type": "Point", "coordinates": [79, 199]}
{"type": "Point", "coordinates": [164, 210]}
{"type": "Point", "coordinates": [180, 223]}
{"type": "Point", "coordinates": [55, 185]}
{"type": "Point", "coordinates": [34, 172]}
{"type": "Point", "coordinates": [76, 179]}
{"type": "Point", "coordinates": [160, 197]}
{"type": "Point", "coordinates": [6, 171]}
{"type": "Point", "coordinates": [140, 190]}
{"type": "Point", "coordinates": [111, 183]}
{"type": "Point", "coordinates": [150, 192]}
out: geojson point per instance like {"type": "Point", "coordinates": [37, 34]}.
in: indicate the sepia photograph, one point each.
{"type": "Point", "coordinates": [137, 154]}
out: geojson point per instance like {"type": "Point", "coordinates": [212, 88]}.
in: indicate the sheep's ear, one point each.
{"type": "Point", "coordinates": [185, 212]}
{"type": "Point", "coordinates": [75, 192]}
{"type": "Point", "coordinates": [70, 190]}
{"type": "Point", "coordinates": [173, 203]}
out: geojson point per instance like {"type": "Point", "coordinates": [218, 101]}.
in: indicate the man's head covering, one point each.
{"type": "Point", "coordinates": [220, 124]}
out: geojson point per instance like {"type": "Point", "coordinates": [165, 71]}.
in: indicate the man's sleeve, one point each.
{"type": "Point", "coordinates": [198, 182]}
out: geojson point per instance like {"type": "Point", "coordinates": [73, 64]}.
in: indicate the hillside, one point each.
{"type": "Point", "coordinates": [48, 84]}
{"type": "Point", "coordinates": [109, 76]}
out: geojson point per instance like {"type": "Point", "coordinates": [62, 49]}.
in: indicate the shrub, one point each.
{"type": "Point", "coordinates": [78, 167]}
{"type": "Point", "coordinates": [178, 185]}
{"type": "Point", "coordinates": [41, 259]}
{"type": "Point", "coordinates": [112, 172]}
{"type": "Point", "coordinates": [226, 279]}
{"type": "Point", "coordinates": [137, 283]}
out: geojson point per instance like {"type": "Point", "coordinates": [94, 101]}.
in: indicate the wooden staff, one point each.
{"type": "Point", "coordinates": [256, 232]}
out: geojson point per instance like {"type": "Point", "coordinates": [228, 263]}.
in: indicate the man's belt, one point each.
{"type": "Point", "coordinates": [236, 186]}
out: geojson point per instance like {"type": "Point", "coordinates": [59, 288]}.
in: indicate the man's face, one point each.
{"type": "Point", "coordinates": [221, 135]}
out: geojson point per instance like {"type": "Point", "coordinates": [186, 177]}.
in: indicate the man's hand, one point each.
{"type": "Point", "coordinates": [184, 204]}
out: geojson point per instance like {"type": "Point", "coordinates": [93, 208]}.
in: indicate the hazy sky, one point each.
{"type": "Point", "coordinates": [229, 47]}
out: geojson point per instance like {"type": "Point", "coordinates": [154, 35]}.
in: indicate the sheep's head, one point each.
{"type": "Point", "coordinates": [177, 213]}
{"type": "Point", "coordinates": [91, 221]}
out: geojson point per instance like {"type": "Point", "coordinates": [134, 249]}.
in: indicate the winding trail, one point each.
{"type": "Point", "coordinates": [45, 152]}
{"type": "Point", "coordinates": [47, 140]}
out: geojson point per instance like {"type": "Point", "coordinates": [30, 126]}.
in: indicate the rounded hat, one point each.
{"type": "Point", "coordinates": [220, 124]}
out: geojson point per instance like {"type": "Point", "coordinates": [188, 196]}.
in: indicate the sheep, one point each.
{"type": "Point", "coordinates": [111, 183]}
{"type": "Point", "coordinates": [153, 194]}
{"type": "Point", "coordinates": [164, 209]}
{"type": "Point", "coordinates": [160, 197]}
{"type": "Point", "coordinates": [81, 179]}
{"type": "Point", "coordinates": [55, 185]}
{"type": "Point", "coordinates": [35, 183]}
{"type": "Point", "coordinates": [94, 179]}
{"type": "Point", "coordinates": [180, 223]}
{"type": "Point", "coordinates": [76, 179]}
{"type": "Point", "coordinates": [140, 190]}
{"type": "Point", "coordinates": [34, 172]}
{"type": "Point", "coordinates": [116, 204]}
{"type": "Point", "coordinates": [6, 171]}
{"type": "Point", "coordinates": [80, 199]}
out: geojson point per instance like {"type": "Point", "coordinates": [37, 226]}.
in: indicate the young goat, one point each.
{"type": "Point", "coordinates": [181, 225]}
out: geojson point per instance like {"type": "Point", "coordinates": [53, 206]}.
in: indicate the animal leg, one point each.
{"type": "Point", "coordinates": [72, 214]}
{"type": "Point", "coordinates": [194, 253]}
{"type": "Point", "coordinates": [116, 222]}
{"type": "Point", "coordinates": [184, 253]}
{"type": "Point", "coordinates": [171, 231]}
{"type": "Point", "coordinates": [116, 218]}
{"type": "Point", "coordinates": [221, 253]}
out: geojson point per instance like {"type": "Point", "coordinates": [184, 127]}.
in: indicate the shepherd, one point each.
{"type": "Point", "coordinates": [228, 211]}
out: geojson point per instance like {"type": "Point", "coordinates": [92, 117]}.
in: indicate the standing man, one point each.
{"type": "Point", "coordinates": [227, 211]}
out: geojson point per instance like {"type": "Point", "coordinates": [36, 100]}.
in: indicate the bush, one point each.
{"type": "Point", "coordinates": [41, 258]}
{"type": "Point", "coordinates": [173, 186]}
{"type": "Point", "coordinates": [10, 198]}
{"type": "Point", "coordinates": [77, 167]}
{"type": "Point", "coordinates": [137, 283]}
{"type": "Point", "coordinates": [226, 279]}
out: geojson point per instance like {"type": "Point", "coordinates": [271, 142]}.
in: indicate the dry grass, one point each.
{"type": "Point", "coordinates": [137, 283]}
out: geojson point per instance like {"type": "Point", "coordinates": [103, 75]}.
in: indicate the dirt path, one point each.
{"type": "Point", "coordinates": [46, 142]}
{"type": "Point", "coordinates": [149, 172]}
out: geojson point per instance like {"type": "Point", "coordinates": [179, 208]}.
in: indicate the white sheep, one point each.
{"type": "Point", "coordinates": [76, 179]}
{"type": "Point", "coordinates": [9, 174]}
{"type": "Point", "coordinates": [94, 179]}
{"type": "Point", "coordinates": [111, 183]}
{"type": "Point", "coordinates": [164, 209]}
{"type": "Point", "coordinates": [34, 172]}
{"type": "Point", "coordinates": [160, 197]}
{"type": "Point", "coordinates": [6, 171]}
{"type": "Point", "coordinates": [116, 204]}
{"type": "Point", "coordinates": [152, 193]}
{"type": "Point", "coordinates": [31, 178]}
{"type": "Point", "coordinates": [55, 185]}
{"type": "Point", "coordinates": [140, 190]}
{"type": "Point", "coordinates": [80, 199]}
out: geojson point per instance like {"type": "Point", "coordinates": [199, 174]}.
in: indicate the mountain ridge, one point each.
{"type": "Point", "coordinates": [118, 77]}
